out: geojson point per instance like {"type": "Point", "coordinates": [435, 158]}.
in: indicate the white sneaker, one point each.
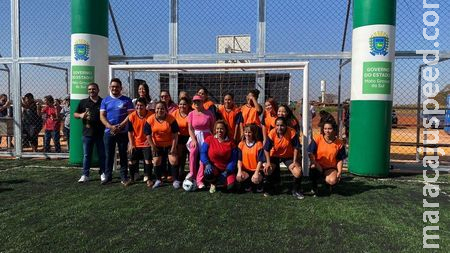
{"type": "Point", "coordinates": [83, 179]}
{"type": "Point", "coordinates": [176, 184]}
{"type": "Point", "coordinates": [188, 176]}
{"type": "Point", "coordinates": [145, 179]}
{"type": "Point", "coordinates": [103, 177]}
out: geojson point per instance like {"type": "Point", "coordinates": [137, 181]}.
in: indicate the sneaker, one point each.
{"type": "Point", "coordinates": [259, 189]}
{"type": "Point", "coordinates": [248, 188]}
{"type": "Point", "coordinates": [149, 183]}
{"type": "Point", "coordinates": [267, 194]}
{"type": "Point", "coordinates": [136, 176]}
{"type": "Point", "coordinates": [188, 176]}
{"type": "Point", "coordinates": [105, 182]}
{"type": "Point", "coordinates": [157, 184]}
{"type": "Point", "coordinates": [298, 195]}
{"type": "Point", "coordinates": [145, 179]}
{"type": "Point", "coordinates": [176, 184]}
{"type": "Point", "coordinates": [83, 179]}
{"type": "Point", "coordinates": [201, 186]}
{"type": "Point", "coordinates": [103, 177]}
{"type": "Point", "coordinates": [212, 189]}
{"type": "Point", "coordinates": [126, 182]}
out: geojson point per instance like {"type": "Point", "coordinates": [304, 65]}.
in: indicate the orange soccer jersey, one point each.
{"type": "Point", "coordinates": [161, 131]}
{"type": "Point", "coordinates": [282, 147]}
{"type": "Point", "coordinates": [327, 154]}
{"type": "Point", "coordinates": [182, 122]}
{"type": "Point", "coordinates": [269, 121]}
{"type": "Point", "coordinates": [136, 126]}
{"type": "Point", "coordinates": [250, 115]}
{"type": "Point", "coordinates": [249, 155]}
{"type": "Point", "coordinates": [230, 118]}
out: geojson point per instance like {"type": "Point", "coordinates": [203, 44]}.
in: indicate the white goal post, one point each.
{"type": "Point", "coordinates": [238, 67]}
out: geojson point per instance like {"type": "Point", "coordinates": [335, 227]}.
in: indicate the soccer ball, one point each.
{"type": "Point", "coordinates": [189, 185]}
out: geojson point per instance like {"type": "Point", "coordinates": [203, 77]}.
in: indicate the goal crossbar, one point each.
{"type": "Point", "coordinates": [239, 67]}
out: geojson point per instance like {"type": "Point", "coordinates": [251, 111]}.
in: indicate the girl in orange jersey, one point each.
{"type": "Point", "coordinates": [269, 116]}
{"type": "Point", "coordinates": [181, 115]}
{"type": "Point", "coordinates": [250, 159]}
{"type": "Point", "coordinates": [282, 146]}
{"type": "Point", "coordinates": [138, 146]}
{"type": "Point", "coordinates": [326, 153]}
{"type": "Point", "coordinates": [207, 103]}
{"type": "Point", "coordinates": [251, 112]}
{"type": "Point", "coordinates": [286, 112]}
{"type": "Point", "coordinates": [230, 113]}
{"type": "Point", "coordinates": [162, 130]}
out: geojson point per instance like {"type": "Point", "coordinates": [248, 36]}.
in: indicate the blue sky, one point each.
{"type": "Point", "coordinates": [306, 26]}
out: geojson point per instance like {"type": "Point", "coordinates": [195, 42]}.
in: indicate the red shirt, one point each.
{"type": "Point", "coordinates": [219, 153]}
{"type": "Point", "coordinates": [51, 117]}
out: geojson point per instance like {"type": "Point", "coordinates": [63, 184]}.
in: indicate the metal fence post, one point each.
{"type": "Point", "coordinates": [173, 48]}
{"type": "Point", "coordinates": [16, 84]}
{"type": "Point", "coordinates": [261, 50]}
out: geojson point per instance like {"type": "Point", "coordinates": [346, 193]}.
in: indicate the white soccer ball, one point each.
{"type": "Point", "coordinates": [189, 185]}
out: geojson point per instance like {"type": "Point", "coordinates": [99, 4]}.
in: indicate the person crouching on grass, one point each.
{"type": "Point", "coordinates": [326, 153]}
{"type": "Point", "coordinates": [250, 157]}
{"type": "Point", "coordinates": [218, 156]}
{"type": "Point", "coordinates": [139, 147]}
{"type": "Point", "coordinates": [282, 146]}
{"type": "Point", "coordinates": [162, 130]}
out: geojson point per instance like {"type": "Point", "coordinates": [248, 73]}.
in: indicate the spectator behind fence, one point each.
{"type": "Point", "coordinates": [89, 111]}
{"type": "Point", "coordinates": [5, 105]}
{"type": "Point", "coordinates": [114, 112]}
{"type": "Point", "coordinates": [31, 121]}
{"type": "Point", "coordinates": [65, 115]}
{"type": "Point", "coordinates": [52, 124]}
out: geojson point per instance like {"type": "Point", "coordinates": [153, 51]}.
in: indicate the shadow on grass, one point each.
{"type": "Point", "coordinates": [14, 181]}
{"type": "Point", "coordinates": [6, 189]}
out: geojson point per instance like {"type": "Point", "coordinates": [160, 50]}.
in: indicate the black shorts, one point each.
{"type": "Point", "coordinates": [277, 161]}
{"type": "Point", "coordinates": [183, 139]}
{"type": "Point", "coordinates": [161, 151]}
{"type": "Point", "coordinates": [140, 153]}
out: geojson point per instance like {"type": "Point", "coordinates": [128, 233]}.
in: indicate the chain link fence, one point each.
{"type": "Point", "coordinates": [217, 31]}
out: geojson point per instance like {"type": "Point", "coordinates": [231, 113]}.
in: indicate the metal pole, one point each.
{"type": "Point", "coordinates": [173, 48]}
{"type": "Point", "coordinates": [419, 95]}
{"type": "Point", "coordinates": [339, 116]}
{"type": "Point", "coordinates": [16, 82]}
{"type": "Point", "coordinates": [261, 50]}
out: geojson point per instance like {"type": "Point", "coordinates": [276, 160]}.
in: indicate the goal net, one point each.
{"type": "Point", "coordinates": [286, 82]}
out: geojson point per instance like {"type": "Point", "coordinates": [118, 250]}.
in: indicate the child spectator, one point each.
{"type": "Point", "coordinates": [52, 124]}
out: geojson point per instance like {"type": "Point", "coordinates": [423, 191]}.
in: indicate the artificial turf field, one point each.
{"type": "Point", "coordinates": [44, 209]}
